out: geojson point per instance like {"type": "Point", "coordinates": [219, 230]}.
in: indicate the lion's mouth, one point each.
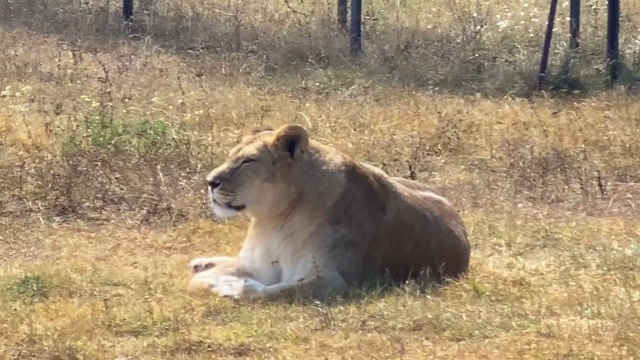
{"type": "Point", "coordinates": [228, 205]}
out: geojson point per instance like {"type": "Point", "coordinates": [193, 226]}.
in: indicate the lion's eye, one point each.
{"type": "Point", "coordinates": [247, 161]}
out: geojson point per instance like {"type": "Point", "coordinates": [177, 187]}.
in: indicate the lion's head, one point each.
{"type": "Point", "coordinates": [258, 176]}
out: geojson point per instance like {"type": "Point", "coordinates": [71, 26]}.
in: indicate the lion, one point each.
{"type": "Point", "coordinates": [322, 222]}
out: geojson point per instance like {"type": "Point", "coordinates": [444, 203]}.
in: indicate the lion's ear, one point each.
{"type": "Point", "coordinates": [291, 138]}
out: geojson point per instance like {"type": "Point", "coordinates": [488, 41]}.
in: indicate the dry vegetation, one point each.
{"type": "Point", "coordinates": [106, 135]}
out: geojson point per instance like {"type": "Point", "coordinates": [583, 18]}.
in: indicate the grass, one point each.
{"type": "Point", "coordinates": [106, 135]}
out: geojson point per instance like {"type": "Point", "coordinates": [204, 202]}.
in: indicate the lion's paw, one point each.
{"type": "Point", "coordinates": [202, 264]}
{"type": "Point", "coordinates": [241, 289]}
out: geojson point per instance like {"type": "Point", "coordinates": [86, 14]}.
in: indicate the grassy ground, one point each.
{"type": "Point", "coordinates": [105, 139]}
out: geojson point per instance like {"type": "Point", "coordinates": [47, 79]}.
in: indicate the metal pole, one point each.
{"type": "Point", "coordinates": [356, 26]}
{"type": "Point", "coordinates": [547, 43]}
{"type": "Point", "coordinates": [574, 24]}
{"type": "Point", "coordinates": [127, 9]}
{"type": "Point", "coordinates": [342, 14]}
{"type": "Point", "coordinates": [613, 30]}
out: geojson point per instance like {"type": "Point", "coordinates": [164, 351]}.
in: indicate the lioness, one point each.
{"type": "Point", "coordinates": [321, 221]}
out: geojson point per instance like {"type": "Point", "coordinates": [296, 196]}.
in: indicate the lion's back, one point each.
{"type": "Point", "coordinates": [401, 226]}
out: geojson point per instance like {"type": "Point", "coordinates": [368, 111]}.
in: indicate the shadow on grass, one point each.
{"type": "Point", "coordinates": [371, 290]}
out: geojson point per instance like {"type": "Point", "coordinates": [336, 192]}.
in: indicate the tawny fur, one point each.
{"type": "Point", "coordinates": [323, 222]}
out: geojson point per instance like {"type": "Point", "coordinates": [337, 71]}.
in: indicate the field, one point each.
{"type": "Point", "coordinates": [106, 135]}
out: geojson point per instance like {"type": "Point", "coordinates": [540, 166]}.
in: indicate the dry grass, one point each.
{"type": "Point", "coordinates": [105, 139]}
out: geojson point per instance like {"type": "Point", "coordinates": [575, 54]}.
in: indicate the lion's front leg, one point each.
{"type": "Point", "coordinates": [241, 289]}
{"type": "Point", "coordinates": [250, 289]}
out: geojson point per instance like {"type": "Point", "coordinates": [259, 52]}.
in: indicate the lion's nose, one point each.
{"type": "Point", "coordinates": [214, 183]}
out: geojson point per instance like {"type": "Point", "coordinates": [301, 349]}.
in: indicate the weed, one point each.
{"type": "Point", "coordinates": [30, 288]}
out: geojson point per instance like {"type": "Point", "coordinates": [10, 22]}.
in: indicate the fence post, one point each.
{"type": "Point", "coordinates": [613, 30]}
{"type": "Point", "coordinates": [127, 9]}
{"type": "Point", "coordinates": [342, 14]}
{"type": "Point", "coordinates": [574, 24]}
{"type": "Point", "coordinates": [356, 26]}
{"type": "Point", "coordinates": [542, 73]}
